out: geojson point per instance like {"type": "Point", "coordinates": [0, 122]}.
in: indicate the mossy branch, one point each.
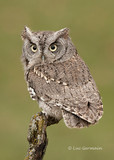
{"type": "Point", "coordinates": [37, 136]}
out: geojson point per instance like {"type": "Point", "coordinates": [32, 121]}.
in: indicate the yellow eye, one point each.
{"type": "Point", "coordinates": [53, 47]}
{"type": "Point", "coordinates": [34, 48]}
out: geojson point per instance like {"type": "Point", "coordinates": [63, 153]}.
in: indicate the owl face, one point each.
{"type": "Point", "coordinates": [46, 47]}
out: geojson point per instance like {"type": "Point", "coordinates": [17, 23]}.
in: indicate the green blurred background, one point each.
{"type": "Point", "coordinates": [91, 26]}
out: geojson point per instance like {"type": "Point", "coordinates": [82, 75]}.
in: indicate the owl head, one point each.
{"type": "Point", "coordinates": [46, 47]}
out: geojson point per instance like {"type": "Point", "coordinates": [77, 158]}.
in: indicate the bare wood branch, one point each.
{"type": "Point", "coordinates": [37, 136]}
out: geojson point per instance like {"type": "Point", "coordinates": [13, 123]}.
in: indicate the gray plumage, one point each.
{"type": "Point", "coordinates": [59, 79]}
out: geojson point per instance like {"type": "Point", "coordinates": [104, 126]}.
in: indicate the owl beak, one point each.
{"type": "Point", "coordinates": [43, 58]}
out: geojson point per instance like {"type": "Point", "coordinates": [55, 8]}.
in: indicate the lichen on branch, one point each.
{"type": "Point", "coordinates": [37, 136]}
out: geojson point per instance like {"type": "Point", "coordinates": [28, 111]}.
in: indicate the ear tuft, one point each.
{"type": "Point", "coordinates": [63, 33]}
{"type": "Point", "coordinates": [26, 33]}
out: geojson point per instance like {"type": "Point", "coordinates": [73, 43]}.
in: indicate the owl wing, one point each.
{"type": "Point", "coordinates": [70, 86]}
{"type": "Point", "coordinates": [82, 97]}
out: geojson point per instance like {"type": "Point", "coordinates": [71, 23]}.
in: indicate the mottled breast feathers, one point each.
{"type": "Point", "coordinates": [70, 85]}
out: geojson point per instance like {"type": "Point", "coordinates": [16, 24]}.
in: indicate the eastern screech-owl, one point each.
{"type": "Point", "coordinates": [59, 79]}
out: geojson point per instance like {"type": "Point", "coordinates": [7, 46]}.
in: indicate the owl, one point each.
{"type": "Point", "coordinates": [58, 79]}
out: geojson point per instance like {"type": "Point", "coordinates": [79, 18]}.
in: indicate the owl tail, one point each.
{"type": "Point", "coordinates": [73, 121]}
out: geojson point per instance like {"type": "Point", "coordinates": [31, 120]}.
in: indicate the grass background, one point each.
{"type": "Point", "coordinates": [91, 26]}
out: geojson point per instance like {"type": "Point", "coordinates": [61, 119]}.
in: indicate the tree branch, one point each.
{"type": "Point", "coordinates": [37, 136]}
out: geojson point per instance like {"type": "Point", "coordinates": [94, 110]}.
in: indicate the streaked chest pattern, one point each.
{"type": "Point", "coordinates": [56, 82]}
{"type": "Point", "coordinates": [43, 80]}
